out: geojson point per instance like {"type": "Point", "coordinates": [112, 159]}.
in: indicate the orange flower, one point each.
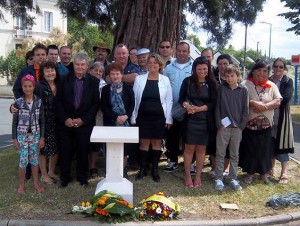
{"type": "Point", "coordinates": [101, 202]}
{"type": "Point", "coordinates": [122, 202]}
{"type": "Point", "coordinates": [102, 212]}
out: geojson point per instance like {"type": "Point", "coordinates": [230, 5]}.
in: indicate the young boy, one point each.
{"type": "Point", "coordinates": [232, 110]}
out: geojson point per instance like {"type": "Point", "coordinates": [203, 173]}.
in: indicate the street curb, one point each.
{"type": "Point", "coordinates": [268, 220]}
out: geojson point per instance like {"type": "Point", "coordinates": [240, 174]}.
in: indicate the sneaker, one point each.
{"type": "Point", "coordinates": [193, 169]}
{"type": "Point", "coordinates": [171, 167]}
{"type": "Point", "coordinates": [219, 186]}
{"type": "Point", "coordinates": [212, 173]}
{"type": "Point", "coordinates": [235, 185]}
{"type": "Point", "coordinates": [225, 174]}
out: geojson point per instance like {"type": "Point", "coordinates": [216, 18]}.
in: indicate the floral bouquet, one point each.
{"type": "Point", "coordinates": [107, 207]}
{"type": "Point", "coordinates": [157, 207]}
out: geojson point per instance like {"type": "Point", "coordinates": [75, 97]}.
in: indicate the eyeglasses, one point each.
{"type": "Point", "coordinates": [276, 66]}
{"type": "Point", "coordinates": [165, 47]}
{"type": "Point", "coordinates": [30, 58]}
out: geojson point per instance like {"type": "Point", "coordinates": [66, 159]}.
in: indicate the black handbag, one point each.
{"type": "Point", "coordinates": [178, 111]}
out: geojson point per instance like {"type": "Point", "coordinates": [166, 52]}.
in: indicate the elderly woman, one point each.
{"type": "Point", "coordinates": [117, 101]}
{"type": "Point", "coordinates": [96, 69]}
{"type": "Point", "coordinates": [197, 95]}
{"type": "Point", "coordinates": [152, 113]}
{"type": "Point", "coordinates": [282, 131]}
{"type": "Point", "coordinates": [264, 97]}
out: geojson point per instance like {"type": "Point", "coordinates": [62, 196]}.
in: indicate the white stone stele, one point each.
{"type": "Point", "coordinates": [115, 137]}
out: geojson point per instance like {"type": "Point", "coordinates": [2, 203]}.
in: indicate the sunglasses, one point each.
{"type": "Point", "coordinates": [165, 47]}
{"type": "Point", "coordinates": [30, 58]}
{"type": "Point", "coordinates": [276, 66]}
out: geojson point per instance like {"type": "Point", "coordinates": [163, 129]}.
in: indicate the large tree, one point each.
{"type": "Point", "coordinates": [294, 15]}
{"type": "Point", "coordinates": [143, 23]}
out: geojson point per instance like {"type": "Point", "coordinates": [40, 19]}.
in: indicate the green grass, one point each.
{"type": "Point", "coordinates": [295, 111]}
{"type": "Point", "coordinates": [201, 203]}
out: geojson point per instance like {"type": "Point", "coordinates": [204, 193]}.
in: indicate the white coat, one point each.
{"type": "Point", "coordinates": [165, 92]}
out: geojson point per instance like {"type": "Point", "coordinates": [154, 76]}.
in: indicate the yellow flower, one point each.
{"type": "Point", "coordinates": [154, 205]}
{"type": "Point", "coordinates": [145, 205]}
{"type": "Point", "coordinates": [142, 213]}
{"type": "Point", "coordinates": [130, 206]}
{"type": "Point", "coordinates": [160, 193]}
{"type": "Point", "coordinates": [83, 204]}
{"type": "Point", "coordinates": [87, 204]}
{"type": "Point", "coordinates": [165, 213]}
{"type": "Point", "coordinates": [101, 202]}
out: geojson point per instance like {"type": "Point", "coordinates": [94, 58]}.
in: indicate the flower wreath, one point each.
{"type": "Point", "coordinates": [158, 207]}
{"type": "Point", "coordinates": [107, 207]}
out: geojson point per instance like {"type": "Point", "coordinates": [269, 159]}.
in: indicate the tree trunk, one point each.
{"type": "Point", "coordinates": [144, 23]}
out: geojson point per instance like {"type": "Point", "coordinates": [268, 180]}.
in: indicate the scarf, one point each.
{"type": "Point", "coordinates": [117, 102]}
{"type": "Point", "coordinates": [263, 84]}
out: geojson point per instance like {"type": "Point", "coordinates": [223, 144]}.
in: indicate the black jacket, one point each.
{"type": "Point", "coordinates": [109, 116]}
{"type": "Point", "coordinates": [89, 104]}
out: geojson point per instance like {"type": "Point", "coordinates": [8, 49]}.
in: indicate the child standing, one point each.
{"type": "Point", "coordinates": [232, 110]}
{"type": "Point", "coordinates": [28, 128]}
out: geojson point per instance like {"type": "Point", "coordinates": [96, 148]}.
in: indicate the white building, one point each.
{"type": "Point", "coordinates": [14, 32]}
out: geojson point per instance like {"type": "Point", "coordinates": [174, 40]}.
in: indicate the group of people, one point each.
{"type": "Point", "coordinates": [58, 103]}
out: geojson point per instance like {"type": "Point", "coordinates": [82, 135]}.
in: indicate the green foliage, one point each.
{"type": "Point", "coordinates": [293, 16]}
{"type": "Point", "coordinates": [11, 66]}
{"type": "Point", "coordinates": [194, 38]}
{"type": "Point", "coordinates": [215, 16]}
{"type": "Point", "coordinates": [89, 35]}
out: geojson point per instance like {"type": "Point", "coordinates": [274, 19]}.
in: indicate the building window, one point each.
{"type": "Point", "coordinates": [48, 21]}
{"type": "Point", "coordinates": [19, 22]}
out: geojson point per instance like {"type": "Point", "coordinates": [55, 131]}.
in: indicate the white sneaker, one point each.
{"type": "Point", "coordinates": [225, 174]}
{"type": "Point", "coordinates": [171, 167]}
{"type": "Point", "coordinates": [219, 186]}
{"type": "Point", "coordinates": [235, 185]}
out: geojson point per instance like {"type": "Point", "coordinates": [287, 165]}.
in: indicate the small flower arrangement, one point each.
{"type": "Point", "coordinates": [108, 207]}
{"type": "Point", "coordinates": [157, 207]}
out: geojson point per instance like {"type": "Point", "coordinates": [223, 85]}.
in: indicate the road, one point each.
{"type": "Point", "coordinates": [6, 119]}
{"type": "Point", "coordinates": [5, 123]}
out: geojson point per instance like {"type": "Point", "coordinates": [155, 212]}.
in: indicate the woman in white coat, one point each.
{"type": "Point", "coordinates": [152, 113]}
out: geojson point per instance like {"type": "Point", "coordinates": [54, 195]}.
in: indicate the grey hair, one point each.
{"type": "Point", "coordinates": [96, 64]}
{"type": "Point", "coordinates": [81, 56]}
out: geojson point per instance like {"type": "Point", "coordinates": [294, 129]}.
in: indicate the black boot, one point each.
{"type": "Point", "coordinates": [155, 160]}
{"type": "Point", "coordinates": [143, 163]}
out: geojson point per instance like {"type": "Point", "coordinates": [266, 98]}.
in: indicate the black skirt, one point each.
{"type": "Point", "coordinates": [151, 119]}
{"type": "Point", "coordinates": [255, 151]}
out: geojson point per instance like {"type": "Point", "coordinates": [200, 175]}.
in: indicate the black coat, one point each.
{"type": "Point", "coordinates": [17, 88]}
{"type": "Point", "coordinates": [89, 104]}
{"type": "Point", "coordinates": [109, 116]}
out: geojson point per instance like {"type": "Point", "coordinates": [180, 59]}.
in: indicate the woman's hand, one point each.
{"type": "Point", "coordinates": [41, 143]}
{"type": "Point", "coordinates": [259, 107]}
{"type": "Point", "coordinates": [168, 126]}
{"type": "Point", "coordinates": [122, 119]}
{"type": "Point", "coordinates": [16, 144]}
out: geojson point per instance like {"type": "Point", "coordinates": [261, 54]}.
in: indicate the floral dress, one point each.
{"type": "Point", "coordinates": [44, 91]}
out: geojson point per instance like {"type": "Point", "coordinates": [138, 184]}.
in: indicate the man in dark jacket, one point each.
{"type": "Point", "coordinates": [39, 55]}
{"type": "Point", "coordinates": [77, 106]}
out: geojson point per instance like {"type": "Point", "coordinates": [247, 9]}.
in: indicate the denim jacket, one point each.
{"type": "Point", "coordinates": [26, 120]}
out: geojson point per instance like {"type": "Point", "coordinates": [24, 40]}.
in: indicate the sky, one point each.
{"type": "Point", "coordinates": [283, 43]}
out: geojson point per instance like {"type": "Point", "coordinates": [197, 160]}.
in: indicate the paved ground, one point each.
{"type": "Point", "coordinates": [5, 123]}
